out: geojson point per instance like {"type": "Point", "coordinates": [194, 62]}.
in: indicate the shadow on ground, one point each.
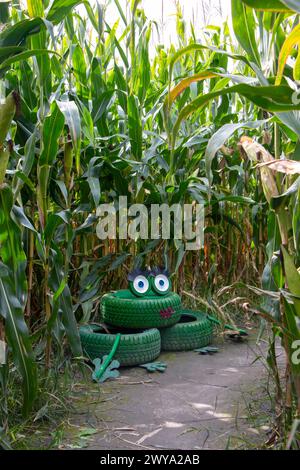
{"type": "Point", "coordinates": [200, 402]}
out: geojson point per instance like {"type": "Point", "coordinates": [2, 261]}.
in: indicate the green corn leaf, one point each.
{"type": "Point", "coordinates": [17, 34]}
{"type": "Point", "coordinates": [134, 127]}
{"type": "Point", "coordinates": [53, 221]}
{"type": "Point", "coordinates": [93, 179]}
{"type": "Point", "coordinates": [94, 185]}
{"type": "Point", "coordinates": [122, 53]}
{"type": "Point", "coordinates": [270, 5]}
{"type": "Point", "coordinates": [29, 154]}
{"type": "Point", "coordinates": [22, 219]}
{"type": "Point", "coordinates": [278, 201]}
{"type": "Point", "coordinates": [296, 71]}
{"type": "Point", "coordinates": [92, 17]}
{"type": "Point", "coordinates": [121, 11]}
{"type": "Point", "coordinates": [73, 121]}
{"type": "Point", "coordinates": [11, 251]}
{"type": "Point", "coordinates": [9, 50]}
{"type": "Point", "coordinates": [7, 113]}
{"type": "Point", "coordinates": [270, 98]}
{"type": "Point", "coordinates": [24, 179]}
{"type": "Point", "coordinates": [39, 42]}
{"type": "Point", "coordinates": [102, 104]}
{"type": "Point", "coordinates": [292, 40]}
{"type": "Point", "coordinates": [221, 136]}
{"type": "Point", "coordinates": [52, 129]}
{"type": "Point", "coordinates": [35, 8]}
{"type": "Point", "coordinates": [24, 56]}
{"type": "Point", "coordinates": [4, 158]}
{"type": "Point", "coordinates": [192, 48]}
{"type": "Point", "coordinates": [59, 9]}
{"type": "Point", "coordinates": [237, 199]}
{"type": "Point", "coordinates": [272, 278]}
{"type": "Point", "coordinates": [4, 13]}
{"type": "Point", "coordinates": [63, 302]}
{"type": "Point", "coordinates": [18, 337]}
{"type": "Point", "coordinates": [244, 28]}
{"type": "Point", "coordinates": [13, 294]}
{"type": "Point", "coordinates": [79, 68]}
{"type": "Point", "coordinates": [287, 118]}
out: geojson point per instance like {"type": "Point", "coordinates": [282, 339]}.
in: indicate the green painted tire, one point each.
{"type": "Point", "coordinates": [134, 348]}
{"type": "Point", "coordinates": [123, 309]}
{"type": "Point", "coordinates": [194, 330]}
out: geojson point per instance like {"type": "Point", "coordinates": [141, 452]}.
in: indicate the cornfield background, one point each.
{"type": "Point", "coordinates": [92, 109]}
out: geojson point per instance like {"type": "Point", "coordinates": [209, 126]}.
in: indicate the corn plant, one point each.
{"type": "Point", "coordinates": [280, 274]}
{"type": "Point", "coordinates": [92, 113]}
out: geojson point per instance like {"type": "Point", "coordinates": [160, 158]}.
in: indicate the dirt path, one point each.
{"type": "Point", "coordinates": [199, 402]}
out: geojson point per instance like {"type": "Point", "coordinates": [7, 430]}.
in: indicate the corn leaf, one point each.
{"type": "Point", "coordinates": [186, 82]}
{"type": "Point", "coordinates": [243, 22]}
{"type": "Point", "coordinates": [292, 4]}
{"type": "Point", "coordinates": [134, 127]}
{"type": "Point", "coordinates": [72, 118]}
{"type": "Point", "coordinates": [269, 5]}
{"type": "Point", "coordinates": [52, 129]}
{"type": "Point", "coordinates": [17, 34]}
{"type": "Point", "coordinates": [296, 71]}
{"type": "Point", "coordinates": [59, 9]}
{"type": "Point", "coordinates": [221, 136]}
{"type": "Point", "coordinates": [63, 302]}
{"type": "Point", "coordinates": [192, 48]}
{"type": "Point", "coordinates": [290, 42]}
{"type": "Point", "coordinates": [294, 333]}
{"type": "Point", "coordinates": [270, 98]}
{"type": "Point", "coordinates": [24, 56]}
{"type": "Point", "coordinates": [13, 294]}
{"type": "Point", "coordinates": [11, 251]}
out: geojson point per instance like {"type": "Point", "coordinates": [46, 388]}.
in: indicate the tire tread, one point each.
{"type": "Point", "coordinates": [133, 349]}
{"type": "Point", "coordinates": [188, 336]}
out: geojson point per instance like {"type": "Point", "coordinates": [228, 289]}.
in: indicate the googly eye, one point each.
{"type": "Point", "coordinates": [140, 285]}
{"type": "Point", "coordinates": [161, 284]}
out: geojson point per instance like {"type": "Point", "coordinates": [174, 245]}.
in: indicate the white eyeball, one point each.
{"type": "Point", "coordinates": [141, 284]}
{"type": "Point", "coordinates": [161, 283]}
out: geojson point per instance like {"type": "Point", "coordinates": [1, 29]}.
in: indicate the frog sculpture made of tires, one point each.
{"type": "Point", "coordinates": [148, 303]}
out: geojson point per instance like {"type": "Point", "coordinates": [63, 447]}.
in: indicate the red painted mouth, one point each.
{"type": "Point", "coordinates": [166, 312]}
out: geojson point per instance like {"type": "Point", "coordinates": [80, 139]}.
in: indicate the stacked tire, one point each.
{"type": "Point", "coordinates": [147, 325]}
{"type": "Point", "coordinates": [124, 309]}
{"type": "Point", "coordinates": [134, 348]}
{"type": "Point", "coordinates": [194, 330]}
